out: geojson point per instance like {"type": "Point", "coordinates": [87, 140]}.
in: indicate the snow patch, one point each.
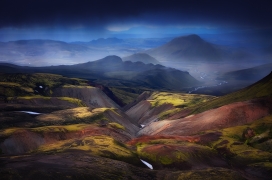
{"type": "Point", "coordinates": [41, 87]}
{"type": "Point", "coordinates": [30, 112]}
{"type": "Point", "coordinates": [142, 125]}
{"type": "Point", "coordinates": [147, 164]}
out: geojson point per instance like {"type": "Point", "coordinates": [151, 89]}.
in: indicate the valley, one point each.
{"type": "Point", "coordinates": [160, 108]}
{"type": "Point", "coordinates": [69, 128]}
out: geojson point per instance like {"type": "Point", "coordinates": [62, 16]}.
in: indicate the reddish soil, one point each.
{"type": "Point", "coordinates": [201, 139]}
{"type": "Point", "coordinates": [226, 116]}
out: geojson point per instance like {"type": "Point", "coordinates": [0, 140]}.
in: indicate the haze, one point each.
{"type": "Point", "coordinates": [44, 33]}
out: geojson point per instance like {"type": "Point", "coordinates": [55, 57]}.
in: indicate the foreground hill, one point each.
{"type": "Point", "coordinates": [212, 117]}
{"type": "Point", "coordinates": [239, 131]}
{"type": "Point", "coordinates": [142, 57]}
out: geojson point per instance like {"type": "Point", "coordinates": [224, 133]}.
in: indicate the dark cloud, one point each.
{"type": "Point", "coordinates": [17, 13]}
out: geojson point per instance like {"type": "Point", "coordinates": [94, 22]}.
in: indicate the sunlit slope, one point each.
{"type": "Point", "coordinates": [21, 84]}
{"type": "Point", "coordinates": [43, 89]}
{"type": "Point", "coordinates": [154, 106]}
{"type": "Point", "coordinates": [230, 115]}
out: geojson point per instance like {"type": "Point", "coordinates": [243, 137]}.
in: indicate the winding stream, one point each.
{"type": "Point", "coordinates": [201, 87]}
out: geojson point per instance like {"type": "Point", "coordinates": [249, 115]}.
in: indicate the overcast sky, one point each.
{"type": "Point", "coordinates": [84, 20]}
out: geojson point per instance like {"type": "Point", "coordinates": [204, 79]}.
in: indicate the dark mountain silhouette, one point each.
{"type": "Point", "coordinates": [187, 48]}
{"type": "Point", "coordinates": [142, 57]}
{"type": "Point", "coordinates": [112, 71]}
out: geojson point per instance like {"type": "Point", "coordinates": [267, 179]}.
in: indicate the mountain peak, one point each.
{"type": "Point", "coordinates": [192, 37]}
{"type": "Point", "coordinates": [143, 57]}
{"type": "Point", "coordinates": [111, 59]}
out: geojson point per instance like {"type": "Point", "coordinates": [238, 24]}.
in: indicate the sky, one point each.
{"type": "Point", "coordinates": [85, 20]}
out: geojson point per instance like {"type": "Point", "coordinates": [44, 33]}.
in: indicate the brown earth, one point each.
{"type": "Point", "coordinates": [92, 97]}
{"type": "Point", "coordinates": [23, 140]}
{"type": "Point", "coordinates": [226, 116]}
{"type": "Point", "coordinates": [143, 113]}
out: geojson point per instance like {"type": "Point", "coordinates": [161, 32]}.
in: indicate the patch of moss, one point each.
{"type": "Point", "coordinates": [8, 131]}
{"type": "Point", "coordinates": [64, 128]}
{"type": "Point", "coordinates": [75, 116]}
{"type": "Point", "coordinates": [76, 86]}
{"type": "Point", "coordinates": [34, 97]}
{"type": "Point", "coordinates": [22, 84]}
{"type": "Point", "coordinates": [239, 151]}
{"type": "Point", "coordinates": [104, 146]}
{"type": "Point", "coordinates": [116, 125]}
{"type": "Point", "coordinates": [168, 152]}
{"type": "Point", "coordinates": [125, 96]}
{"type": "Point", "coordinates": [73, 100]}
{"type": "Point", "coordinates": [177, 99]}
{"type": "Point", "coordinates": [166, 114]}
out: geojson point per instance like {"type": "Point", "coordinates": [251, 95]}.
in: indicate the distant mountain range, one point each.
{"type": "Point", "coordinates": [112, 71]}
{"type": "Point", "coordinates": [131, 42]}
{"type": "Point", "coordinates": [44, 52]}
{"type": "Point", "coordinates": [50, 52]}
